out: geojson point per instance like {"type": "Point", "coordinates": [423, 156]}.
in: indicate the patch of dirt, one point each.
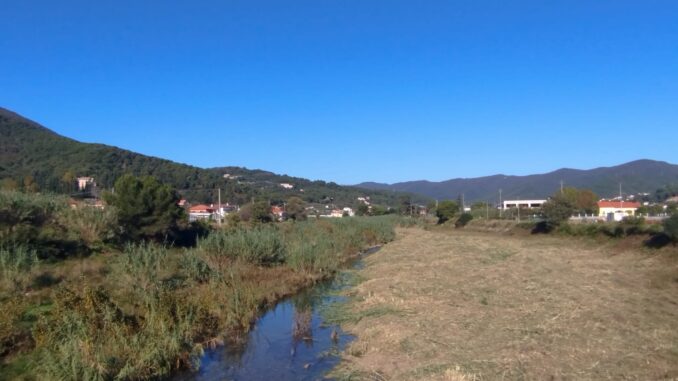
{"type": "Point", "coordinates": [481, 306]}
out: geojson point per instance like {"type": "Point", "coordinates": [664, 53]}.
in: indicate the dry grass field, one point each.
{"type": "Point", "coordinates": [459, 305]}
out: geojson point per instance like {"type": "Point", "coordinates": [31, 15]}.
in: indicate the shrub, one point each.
{"type": "Point", "coordinates": [464, 219]}
{"type": "Point", "coordinates": [557, 210]}
{"type": "Point", "coordinates": [16, 264]}
{"type": "Point", "coordinates": [196, 268]}
{"type": "Point", "coordinates": [93, 226]}
{"type": "Point", "coordinates": [86, 336]}
{"type": "Point", "coordinates": [143, 263]}
{"type": "Point", "coordinates": [670, 226]}
{"type": "Point", "coordinates": [46, 224]}
{"type": "Point", "coordinates": [446, 211]}
{"type": "Point", "coordinates": [260, 245]}
{"type": "Point", "coordinates": [25, 217]}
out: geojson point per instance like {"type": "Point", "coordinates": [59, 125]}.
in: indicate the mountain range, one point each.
{"type": "Point", "coordinates": [28, 149]}
{"type": "Point", "coordinates": [640, 176]}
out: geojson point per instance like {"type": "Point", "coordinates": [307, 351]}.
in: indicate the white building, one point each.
{"type": "Point", "coordinates": [523, 204]}
{"type": "Point", "coordinates": [617, 210]}
{"type": "Point", "coordinates": [83, 182]}
{"type": "Point", "coordinates": [200, 212]}
{"type": "Point", "coordinates": [287, 185]}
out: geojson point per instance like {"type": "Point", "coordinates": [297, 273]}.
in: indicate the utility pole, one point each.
{"type": "Point", "coordinates": [518, 208]}
{"type": "Point", "coordinates": [220, 208]}
{"type": "Point", "coordinates": [463, 209]}
{"type": "Point", "coordinates": [501, 206]}
{"type": "Point", "coordinates": [487, 210]}
{"type": "Point", "coordinates": [621, 198]}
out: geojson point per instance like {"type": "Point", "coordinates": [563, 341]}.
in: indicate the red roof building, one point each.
{"type": "Point", "coordinates": [201, 208]}
{"type": "Point", "coordinates": [617, 210]}
{"type": "Point", "coordinates": [618, 204]}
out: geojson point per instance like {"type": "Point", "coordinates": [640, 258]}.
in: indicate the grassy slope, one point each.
{"type": "Point", "coordinates": [478, 306]}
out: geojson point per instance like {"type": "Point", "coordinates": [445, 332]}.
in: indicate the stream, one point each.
{"type": "Point", "coordinates": [289, 341]}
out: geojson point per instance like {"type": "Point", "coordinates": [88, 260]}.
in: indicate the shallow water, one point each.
{"type": "Point", "coordinates": [288, 342]}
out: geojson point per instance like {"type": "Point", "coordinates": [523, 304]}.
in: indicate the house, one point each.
{"type": "Point", "coordinates": [617, 210]}
{"type": "Point", "coordinates": [183, 203]}
{"type": "Point", "coordinates": [337, 213]}
{"type": "Point", "coordinates": [348, 211]}
{"type": "Point", "coordinates": [200, 212]}
{"type": "Point", "coordinates": [287, 185]}
{"type": "Point", "coordinates": [83, 182]}
{"type": "Point", "coordinates": [523, 204]}
{"type": "Point", "coordinates": [278, 212]}
{"type": "Point", "coordinates": [671, 200]}
{"type": "Point", "coordinates": [223, 210]}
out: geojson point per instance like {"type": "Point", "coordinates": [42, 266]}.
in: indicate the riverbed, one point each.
{"type": "Point", "coordinates": [290, 341]}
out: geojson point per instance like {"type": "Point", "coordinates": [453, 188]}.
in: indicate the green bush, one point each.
{"type": "Point", "coordinates": [16, 263]}
{"type": "Point", "coordinates": [196, 268]}
{"type": "Point", "coordinates": [143, 263]}
{"type": "Point", "coordinates": [26, 218]}
{"type": "Point", "coordinates": [670, 226]}
{"type": "Point", "coordinates": [260, 245]}
{"type": "Point", "coordinates": [47, 224]}
{"type": "Point", "coordinates": [86, 336]}
{"type": "Point", "coordinates": [464, 219]}
{"type": "Point", "coordinates": [446, 210]}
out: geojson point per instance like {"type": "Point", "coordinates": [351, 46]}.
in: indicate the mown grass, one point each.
{"type": "Point", "coordinates": [150, 309]}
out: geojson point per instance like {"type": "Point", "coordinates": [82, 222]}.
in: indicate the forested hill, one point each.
{"type": "Point", "coordinates": [635, 177]}
{"type": "Point", "coordinates": [29, 149]}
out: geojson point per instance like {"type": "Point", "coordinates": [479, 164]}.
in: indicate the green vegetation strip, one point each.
{"type": "Point", "coordinates": [142, 310]}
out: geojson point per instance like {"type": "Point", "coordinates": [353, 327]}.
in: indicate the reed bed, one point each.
{"type": "Point", "coordinates": [150, 309]}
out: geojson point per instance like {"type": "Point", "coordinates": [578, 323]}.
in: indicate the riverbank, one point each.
{"type": "Point", "coordinates": [460, 305]}
{"type": "Point", "coordinates": [150, 310]}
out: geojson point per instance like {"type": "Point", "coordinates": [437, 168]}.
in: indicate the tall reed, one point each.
{"type": "Point", "coordinates": [16, 263]}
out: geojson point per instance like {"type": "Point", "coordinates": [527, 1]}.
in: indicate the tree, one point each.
{"type": "Point", "coordinates": [30, 186]}
{"type": "Point", "coordinates": [446, 211]}
{"type": "Point", "coordinates": [378, 210]}
{"type": "Point", "coordinates": [68, 181]}
{"type": "Point", "coordinates": [296, 208]}
{"type": "Point", "coordinates": [362, 209]}
{"type": "Point", "coordinates": [558, 208]}
{"type": "Point", "coordinates": [146, 208]}
{"type": "Point", "coordinates": [256, 212]}
{"type": "Point", "coordinates": [583, 200]}
{"type": "Point", "coordinates": [405, 206]}
{"type": "Point", "coordinates": [431, 207]}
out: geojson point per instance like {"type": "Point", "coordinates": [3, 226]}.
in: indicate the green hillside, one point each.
{"type": "Point", "coordinates": [29, 149]}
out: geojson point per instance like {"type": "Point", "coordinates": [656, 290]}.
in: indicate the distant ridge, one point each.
{"type": "Point", "coordinates": [636, 176]}
{"type": "Point", "coordinates": [29, 149]}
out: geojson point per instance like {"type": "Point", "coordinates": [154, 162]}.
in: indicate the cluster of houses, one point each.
{"type": "Point", "coordinates": [608, 210]}
{"type": "Point", "coordinates": [215, 212]}
{"type": "Point", "coordinates": [208, 212]}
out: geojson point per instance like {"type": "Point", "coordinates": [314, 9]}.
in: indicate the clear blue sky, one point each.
{"type": "Point", "coordinates": [352, 90]}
